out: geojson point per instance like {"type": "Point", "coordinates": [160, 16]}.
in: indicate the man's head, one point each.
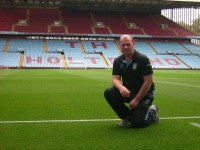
{"type": "Point", "coordinates": [127, 44]}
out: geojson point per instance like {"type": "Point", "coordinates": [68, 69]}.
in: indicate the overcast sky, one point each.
{"type": "Point", "coordinates": [182, 14]}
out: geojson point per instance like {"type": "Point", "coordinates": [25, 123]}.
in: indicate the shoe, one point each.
{"type": "Point", "coordinates": [124, 123]}
{"type": "Point", "coordinates": [155, 113]}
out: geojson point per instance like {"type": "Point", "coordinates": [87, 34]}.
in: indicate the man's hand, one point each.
{"type": "Point", "coordinates": [133, 104]}
{"type": "Point", "coordinates": [124, 92]}
{"type": "Point", "coordinates": [116, 79]}
{"type": "Point", "coordinates": [148, 80]}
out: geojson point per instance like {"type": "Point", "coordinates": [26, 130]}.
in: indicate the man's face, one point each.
{"type": "Point", "coordinates": [127, 45]}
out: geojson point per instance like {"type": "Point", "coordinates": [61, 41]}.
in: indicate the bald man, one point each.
{"type": "Point", "coordinates": [132, 83]}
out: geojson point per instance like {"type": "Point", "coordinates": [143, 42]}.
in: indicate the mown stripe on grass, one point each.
{"type": "Point", "coordinates": [195, 124]}
{"type": "Point", "coordinates": [85, 120]}
{"type": "Point", "coordinates": [179, 84]}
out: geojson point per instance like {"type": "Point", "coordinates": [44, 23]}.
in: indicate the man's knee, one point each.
{"type": "Point", "coordinates": [107, 93]}
{"type": "Point", "coordinates": [138, 123]}
{"type": "Point", "coordinates": [111, 94]}
{"type": "Point", "coordinates": [137, 118]}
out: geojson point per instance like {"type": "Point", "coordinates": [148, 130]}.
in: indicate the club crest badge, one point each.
{"type": "Point", "coordinates": [134, 66]}
{"type": "Point", "coordinates": [121, 65]}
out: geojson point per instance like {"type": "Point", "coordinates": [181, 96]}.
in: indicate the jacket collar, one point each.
{"type": "Point", "coordinates": [134, 58]}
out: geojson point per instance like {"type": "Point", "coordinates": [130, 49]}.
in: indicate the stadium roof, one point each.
{"type": "Point", "coordinates": [104, 5]}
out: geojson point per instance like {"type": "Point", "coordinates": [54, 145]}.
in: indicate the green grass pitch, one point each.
{"type": "Point", "coordinates": [31, 95]}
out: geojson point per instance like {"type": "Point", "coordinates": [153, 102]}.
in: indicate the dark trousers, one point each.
{"type": "Point", "coordinates": [139, 116]}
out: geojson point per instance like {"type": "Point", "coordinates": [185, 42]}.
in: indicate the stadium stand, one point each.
{"type": "Point", "coordinates": [192, 61]}
{"type": "Point", "coordinates": [102, 30]}
{"type": "Point", "coordinates": [88, 53]}
{"type": "Point", "coordinates": [9, 59]}
{"type": "Point", "coordinates": [150, 26]}
{"type": "Point", "coordinates": [194, 49]}
{"type": "Point", "coordinates": [58, 45]}
{"type": "Point", "coordinates": [106, 48]}
{"type": "Point", "coordinates": [7, 18]}
{"type": "Point", "coordinates": [93, 61]}
{"type": "Point", "coordinates": [169, 48]}
{"type": "Point", "coordinates": [57, 29]}
{"type": "Point", "coordinates": [99, 47]}
{"type": "Point", "coordinates": [28, 46]}
{"type": "Point", "coordinates": [144, 48]}
{"type": "Point", "coordinates": [110, 58]}
{"type": "Point", "coordinates": [84, 61]}
{"type": "Point", "coordinates": [2, 44]}
{"type": "Point", "coordinates": [75, 57]}
{"type": "Point", "coordinates": [116, 22]}
{"type": "Point", "coordinates": [43, 60]}
{"type": "Point", "coordinates": [39, 20]}
{"type": "Point", "coordinates": [77, 21]}
{"type": "Point", "coordinates": [42, 21]}
{"type": "Point", "coordinates": [72, 51]}
{"type": "Point", "coordinates": [75, 61]}
{"type": "Point", "coordinates": [166, 61]}
{"type": "Point", "coordinates": [99, 54]}
{"type": "Point", "coordinates": [172, 26]}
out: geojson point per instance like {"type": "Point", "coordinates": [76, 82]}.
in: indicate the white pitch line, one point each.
{"type": "Point", "coordinates": [86, 120]}
{"type": "Point", "coordinates": [48, 121]}
{"type": "Point", "coordinates": [172, 118]}
{"type": "Point", "coordinates": [195, 124]}
{"type": "Point", "coordinates": [179, 84]}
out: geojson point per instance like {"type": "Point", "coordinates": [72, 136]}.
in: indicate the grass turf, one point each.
{"type": "Point", "coordinates": [78, 94]}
